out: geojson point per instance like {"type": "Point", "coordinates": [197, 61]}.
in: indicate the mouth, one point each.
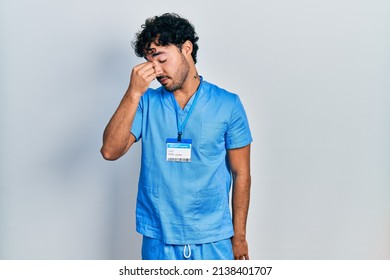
{"type": "Point", "coordinates": [163, 80]}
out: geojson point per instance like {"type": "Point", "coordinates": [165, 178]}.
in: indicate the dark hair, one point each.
{"type": "Point", "coordinates": [164, 30]}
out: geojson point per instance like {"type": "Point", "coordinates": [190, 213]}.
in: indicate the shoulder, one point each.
{"type": "Point", "coordinates": [153, 92]}
{"type": "Point", "coordinates": [220, 93]}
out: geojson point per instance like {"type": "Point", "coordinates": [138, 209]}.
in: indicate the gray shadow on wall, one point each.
{"type": "Point", "coordinates": [122, 176]}
{"type": "Point", "coordinates": [78, 156]}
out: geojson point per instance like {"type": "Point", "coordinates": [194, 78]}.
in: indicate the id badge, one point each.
{"type": "Point", "coordinates": [179, 150]}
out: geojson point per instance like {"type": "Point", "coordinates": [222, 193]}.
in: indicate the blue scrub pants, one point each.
{"type": "Point", "coordinates": [154, 249]}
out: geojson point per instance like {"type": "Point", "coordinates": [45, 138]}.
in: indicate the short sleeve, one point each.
{"type": "Point", "coordinates": [136, 127]}
{"type": "Point", "coordinates": [238, 133]}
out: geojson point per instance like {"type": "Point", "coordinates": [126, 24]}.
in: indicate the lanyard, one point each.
{"type": "Point", "coordinates": [180, 127]}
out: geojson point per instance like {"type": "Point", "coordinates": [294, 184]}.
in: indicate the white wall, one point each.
{"type": "Point", "coordinates": [313, 75]}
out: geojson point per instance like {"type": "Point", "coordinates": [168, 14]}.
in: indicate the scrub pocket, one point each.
{"type": "Point", "coordinates": [146, 205]}
{"type": "Point", "coordinates": [210, 210]}
{"type": "Point", "coordinates": [212, 139]}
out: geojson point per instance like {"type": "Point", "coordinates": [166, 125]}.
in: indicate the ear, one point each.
{"type": "Point", "coordinates": [186, 48]}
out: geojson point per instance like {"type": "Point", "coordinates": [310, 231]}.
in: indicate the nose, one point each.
{"type": "Point", "coordinates": [158, 70]}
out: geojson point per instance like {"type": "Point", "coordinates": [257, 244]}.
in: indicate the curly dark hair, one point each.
{"type": "Point", "coordinates": [164, 30]}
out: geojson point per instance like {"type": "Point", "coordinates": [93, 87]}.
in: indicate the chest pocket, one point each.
{"type": "Point", "coordinates": [212, 140]}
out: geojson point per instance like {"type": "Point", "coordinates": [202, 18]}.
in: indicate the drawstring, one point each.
{"type": "Point", "coordinates": [189, 251]}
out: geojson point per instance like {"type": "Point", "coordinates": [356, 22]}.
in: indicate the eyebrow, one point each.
{"type": "Point", "coordinates": [154, 54]}
{"type": "Point", "coordinates": [157, 54]}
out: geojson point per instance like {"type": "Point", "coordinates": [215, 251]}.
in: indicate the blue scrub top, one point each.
{"type": "Point", "coordinates": [188, 202]}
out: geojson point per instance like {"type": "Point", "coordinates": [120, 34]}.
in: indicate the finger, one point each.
{"type": "Point", "coordinates": [143, 65]}
{"type": "Point", "coordinates": [145, 68]}
{"type": "Point", "coordinates": [242, 257]}
{"type": "Point", "coordinates": [142, 68]}
{"type": "Point", "coordinates": [148, 73]}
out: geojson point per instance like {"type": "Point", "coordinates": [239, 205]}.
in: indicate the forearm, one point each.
{"type": "Point", "coordinates": [240, 204]}
{"type": "Point", "coordinates": [239, 160]}
{"type": "Point", "coordinates": [117, 137]}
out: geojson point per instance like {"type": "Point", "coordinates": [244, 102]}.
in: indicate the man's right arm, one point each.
{"type": "Point", "coordinates": [117, 138]}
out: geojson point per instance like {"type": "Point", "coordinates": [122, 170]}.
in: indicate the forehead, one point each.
{"type": "Point", "coordinates": [155, 50]}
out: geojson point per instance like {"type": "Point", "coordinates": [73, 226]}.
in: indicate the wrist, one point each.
{"type": "Point", "coordinates": [239, 236]}
{"type": "Point", "coordinates": [133, 96]}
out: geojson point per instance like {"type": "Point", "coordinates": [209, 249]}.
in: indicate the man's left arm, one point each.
{"type": "Point", "coordinates": [239, 161]}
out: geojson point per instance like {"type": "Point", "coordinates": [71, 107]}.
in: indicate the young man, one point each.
{"type": "Point", "coordinates": [195, 145]}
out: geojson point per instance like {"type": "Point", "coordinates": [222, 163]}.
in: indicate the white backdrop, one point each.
{"type": "Point", "coordinates": [314, 77]}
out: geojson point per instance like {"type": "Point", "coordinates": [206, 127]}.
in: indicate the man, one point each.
{"type": "Point", "coordinates": [195, 145]}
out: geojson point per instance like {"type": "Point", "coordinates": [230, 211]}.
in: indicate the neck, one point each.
{"type": "Point", "coordinates": [189, 88]}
